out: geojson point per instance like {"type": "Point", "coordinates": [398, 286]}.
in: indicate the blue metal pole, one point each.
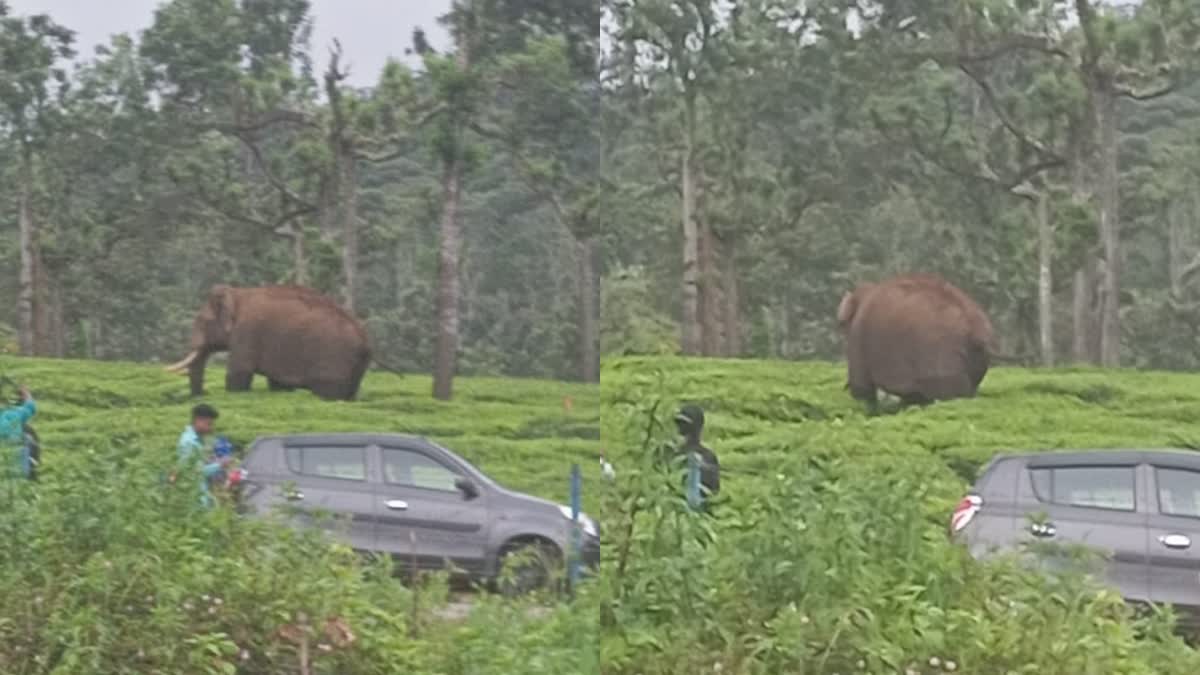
{"type": "Point", "coordinates": [576, 538]}
{"type": "Point", "coordinates": [693, 481]}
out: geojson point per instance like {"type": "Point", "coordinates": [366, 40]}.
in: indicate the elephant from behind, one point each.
{"type": "Point", "coordinates": [915, 336]}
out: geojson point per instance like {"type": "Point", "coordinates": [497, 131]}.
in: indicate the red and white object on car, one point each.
{"type": "Point", "coordinates": [964, 512]}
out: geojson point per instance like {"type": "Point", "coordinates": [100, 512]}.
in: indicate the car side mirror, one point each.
{"type": "Point", "coordinates": [466, 487]}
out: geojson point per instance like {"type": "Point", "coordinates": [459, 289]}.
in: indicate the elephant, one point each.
{"type": "Point", "coordinates": [296, 337]}
{"type": "Point", "coordinates": [915, 336]}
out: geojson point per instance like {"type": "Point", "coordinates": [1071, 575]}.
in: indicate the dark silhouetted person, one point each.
{"type": "Point", "coordinates": [690, 422]}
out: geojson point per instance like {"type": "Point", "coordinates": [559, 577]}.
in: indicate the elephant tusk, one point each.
{"type": "Point", "coordinates": [181, 364]}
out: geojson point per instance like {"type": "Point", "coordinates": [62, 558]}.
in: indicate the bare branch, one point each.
{"type": "Point", "coordinates": [1189, 270]}
{"type": "Point", "coordinates": [221, 207]}
{"type": "Point", "coordinates": [274, 180]}
{"type": "Point", "coordinates": [1013, 43]}
{"type": "Point", "coordinates": [289, 117]}
{"type": "Point", "coordinates": [989, 95]}
{"type": "Point", "coordinates": [1144, 95]}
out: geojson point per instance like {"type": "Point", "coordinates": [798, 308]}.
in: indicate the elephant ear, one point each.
{"type": "Point", "coordinates": [224, 303]}
{"type": "Point", "coordinates": [847, 308]}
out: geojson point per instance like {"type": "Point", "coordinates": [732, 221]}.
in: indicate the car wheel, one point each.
{"type": "Point", "coordinates": [526, 567]}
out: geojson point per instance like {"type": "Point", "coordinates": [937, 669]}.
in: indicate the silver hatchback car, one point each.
{"type": "Point", "coordinates": [1139, 507]}
{"type": "Point", "coordinates": [412, 499]}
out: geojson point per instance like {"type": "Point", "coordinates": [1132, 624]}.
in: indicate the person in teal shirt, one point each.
{"type": "Point", "coordinates": [12, 432]}
{"type": "Point", "coordinates": [192, 447]}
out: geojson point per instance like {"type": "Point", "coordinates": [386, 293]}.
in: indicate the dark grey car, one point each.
{"type": "Point", "coordinates": [408, 497]}
{"type": "Point", "coordinates": [1140, 507]}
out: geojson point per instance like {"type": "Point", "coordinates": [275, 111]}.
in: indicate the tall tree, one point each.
{"type": "Point", "coordinates": [31, 83]}
{"type": "Point", "coordinates": [459, 93]}
{"type": "Point", "coordinates": [682, 42]}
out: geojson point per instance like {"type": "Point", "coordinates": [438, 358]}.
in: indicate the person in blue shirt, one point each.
{"type": "Point", "coordinates": [192, 448]}
{"type": "Point", "coordinates": [12, 433]}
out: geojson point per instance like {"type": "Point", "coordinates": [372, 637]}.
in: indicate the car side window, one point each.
{"type": "Point", "coordinates": [1178, 492]}
{"type": "Point", "coordinates": [1099, 487]}
{"type": "Point", "coordinates": [416, 469]}
{"type": "Point", "coordinates": [347, 462]}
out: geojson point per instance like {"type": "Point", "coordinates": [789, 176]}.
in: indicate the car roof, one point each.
{"type": "Point", "coordinates": [1175, 457]}
{"type": "Point", "coordinates": [368, 438]}
{"type": "Point", "coordinates": [364, 437]}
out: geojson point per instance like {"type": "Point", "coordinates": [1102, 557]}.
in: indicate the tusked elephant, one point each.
{"type": "Point", "coordinates": [915, 336]}
{"type": "Point", "coordinates": [296, 337]}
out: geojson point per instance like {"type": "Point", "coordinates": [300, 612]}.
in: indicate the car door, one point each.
{"type": "Point", "coordinates": [331, 490]}
{"type": "Point", "coordinates": [422, 516]}
{"type": "Point", "coordinates": [1174, 536]}
{"type": "Point", "coordinates": [1095, 505]}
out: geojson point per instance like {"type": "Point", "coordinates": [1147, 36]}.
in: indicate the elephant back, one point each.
{"type": "Point", "coordinates": [920, 334]}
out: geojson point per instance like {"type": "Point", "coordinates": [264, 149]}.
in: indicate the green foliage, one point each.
{"type": "Point", "coordinates": [107, 569]}
{"type": "Point", "coordinates": [829, 554]}
{"type": "Point", "coordinates": [839, 145]}
{"type": "Point", "coordinates": [629, 323]}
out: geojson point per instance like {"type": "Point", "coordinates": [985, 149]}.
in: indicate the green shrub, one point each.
{"type": "Point", "coordinates": [107, 569]}
{"type": "Point", "coordinates": [829, 552]}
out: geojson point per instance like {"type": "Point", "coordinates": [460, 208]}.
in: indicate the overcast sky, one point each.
{"type": "Point", "coordinates": [370, 30]}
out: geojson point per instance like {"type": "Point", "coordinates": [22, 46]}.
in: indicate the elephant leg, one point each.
{"type": "Point", "coordinates": [275, 385]}
{"type": "Point", "coordinates": [946, 387]}
{"type": "Point", "coordinates": [238, 380]}
{"type": "Point", "coordinates": [976, 364]}
{"type": "Point", "coordinates": [332, 390]}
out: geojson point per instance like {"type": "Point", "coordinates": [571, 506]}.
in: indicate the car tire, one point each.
{"type": "Point", "coordinates": [526, 567]}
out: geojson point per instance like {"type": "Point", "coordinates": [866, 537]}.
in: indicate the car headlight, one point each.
{"type": "Point", "coordinates": [589, 525]}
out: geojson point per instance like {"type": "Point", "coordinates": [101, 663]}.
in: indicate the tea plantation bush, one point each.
{"type": "Point", "coordinates": [829, 554]}
{"type": "Point", "coordinates": [103, 569]}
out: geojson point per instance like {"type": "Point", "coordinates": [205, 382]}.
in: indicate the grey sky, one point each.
{"type": "Point", "coordinates": [370, 30]}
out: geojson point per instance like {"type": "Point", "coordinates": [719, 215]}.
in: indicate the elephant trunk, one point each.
{"type": "Point", "coordinates": [196, 372]}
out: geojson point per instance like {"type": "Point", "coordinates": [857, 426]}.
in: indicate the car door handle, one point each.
{"type": "Point", "coordinates": [1174, 541]}
{"type": "Point", "coordinates": [1043, 529]}
{"type": "Point", "coordinates": [397, 504]}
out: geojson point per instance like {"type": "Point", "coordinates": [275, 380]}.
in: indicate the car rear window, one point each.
{"type": "Point", "coordinates": [325, 461]}
{"type": "Point", "coordinates": [1178, 492]}
{"type": "Point", "coordinates": [1098, 487]}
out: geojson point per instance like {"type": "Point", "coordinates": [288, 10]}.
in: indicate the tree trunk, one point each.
{"type": "Point", "coordinates": [711, 306]}
{"type": "Point", "coordinates": [446, 351]}
{"type": "Point", "coordinates": [733, 301]}
{"type": "Point", "coordinates": [588, 337]}
{"type": "Point", "coordinates": [1175, 250]}
{"type": "Point", "coordinates": [1045, 280]}
{"type": "Point", "coordinates": [27, 292]}
{"type": "Point", "coordinates": [691, 339]}
{"type": "Point", "coordinates": [349, 213]}
{"type": "Point", "coordinates": [1110, 229]}
{"type": "Point", "coordinates": [57, 322]}
{"type": "Point", "coordinates": [299, 256]}
{"type": "Point", "coordinates": [404, 273]}
{"type": "Point", "coordinates": [1080, 307]}
{"type": "Point", "coordinates": [1083, 331]}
